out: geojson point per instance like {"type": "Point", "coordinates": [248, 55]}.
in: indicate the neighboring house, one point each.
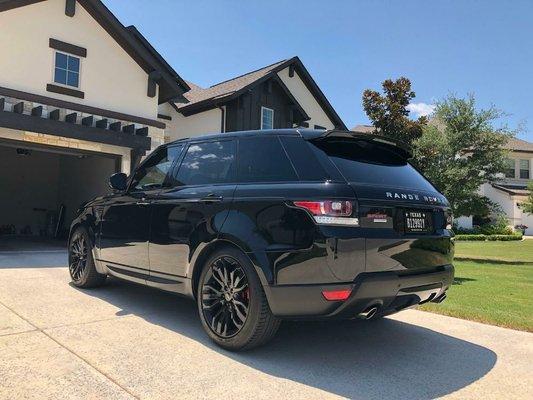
{"type": "Point", "coordinates": [79, 97]}
{"type": "Point", "coordinates": [281, 95]}
{"type": "Point", "coordinates": [512, 189]}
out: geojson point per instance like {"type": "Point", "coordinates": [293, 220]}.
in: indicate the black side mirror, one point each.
{"type": "Point", "coordinates": [118, 181]}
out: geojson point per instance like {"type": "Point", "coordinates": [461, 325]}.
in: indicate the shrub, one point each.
{"type": "Point", "coordinates": [471, 237]}
{"type": "Point", "coordinates": [481, 237]}
{"type": "Point", "coordinates": [514, 236]}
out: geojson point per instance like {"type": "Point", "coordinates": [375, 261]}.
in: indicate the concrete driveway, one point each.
{"type": "Point", "coordinates": [127, 341]}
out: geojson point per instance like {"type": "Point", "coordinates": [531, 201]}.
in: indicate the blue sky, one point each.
{"type": "Point", "coordinates": [461, 46]}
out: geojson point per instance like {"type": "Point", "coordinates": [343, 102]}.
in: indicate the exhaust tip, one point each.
{"type": "Point", "coordinates": [441, 298]}
{"type": "Point", "coordinates": [368, 313]}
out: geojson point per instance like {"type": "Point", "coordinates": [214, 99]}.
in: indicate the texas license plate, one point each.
{"type": "Point", "coordinates": [417, 221]}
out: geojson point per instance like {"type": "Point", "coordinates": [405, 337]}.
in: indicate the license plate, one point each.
{"type": "Point", "coordinates": [417, 221]}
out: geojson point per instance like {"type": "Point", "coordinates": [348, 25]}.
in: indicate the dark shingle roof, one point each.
{"type": "Point", "coordinates": [226, 88]}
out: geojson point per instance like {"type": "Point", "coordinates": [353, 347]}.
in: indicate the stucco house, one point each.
{"type": "Point", "coordinates": [512, 189]}
{"type": "Point", "coordinates": [82, 96]}
{"type": "Point", "coordinates": [79, 97]}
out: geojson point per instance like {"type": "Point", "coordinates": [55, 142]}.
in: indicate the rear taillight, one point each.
{"type": "Point", "coordinates": [336, 295]}
{"type": "Point", "coordinates": [330, 212]}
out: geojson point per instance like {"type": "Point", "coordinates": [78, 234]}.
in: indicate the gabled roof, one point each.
{"type": "Point", "coordinates": [520, 145]}
{"type": "Point", "coordinates": [201, 99]}
{"type": "Point", "coordinates": [170, 84]}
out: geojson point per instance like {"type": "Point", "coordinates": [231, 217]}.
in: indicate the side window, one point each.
{"type": "Point", "coordinates": [303, 159]}
{"type": "Point", "coordinates": [151, 174]}
{"type": "Point", "coordinates": [267, 118]}
{"type": "Point", "coordinates": [262, 159]}
{"type": "Point", "coordinates": [207, 163]}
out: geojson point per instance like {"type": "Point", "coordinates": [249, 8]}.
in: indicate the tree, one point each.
{"type": "Point", "coordinates": [389, 113]}
{"type": "Point", "coordinates": [460, 150]}
{"type": "Point", "coordinates": [527, 206]}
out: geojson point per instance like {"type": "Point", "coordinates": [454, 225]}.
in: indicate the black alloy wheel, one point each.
{"type": "Point", "coordinates": [225, 300]}
{"type": "Point", "coordinates": [81, 264]}
{"type": "Point", "coordinates": [79, 250]}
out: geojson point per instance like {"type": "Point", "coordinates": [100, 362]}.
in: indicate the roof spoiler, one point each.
{"type": "Point", "coordinates": [402, 148]}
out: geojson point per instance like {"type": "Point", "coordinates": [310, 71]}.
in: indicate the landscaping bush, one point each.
{"type": "Point", "coordinates": [514, 236]}
{"type": "Point", "coordinates": [477, 237]}
{"type": "Point", "coordinates": [481, 237]}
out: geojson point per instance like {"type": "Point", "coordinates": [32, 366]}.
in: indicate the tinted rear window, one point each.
{"type": "Point", "coordinates": [263, 159]}
{"type": "Point", "coordinates": [360, 161]}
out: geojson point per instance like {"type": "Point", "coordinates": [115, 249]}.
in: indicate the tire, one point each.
{"type": "Point", "coordinates": [259, 324]}
{"type": "Point", "coordinates": [81, 262]}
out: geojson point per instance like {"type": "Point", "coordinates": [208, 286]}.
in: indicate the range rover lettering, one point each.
{"type": "Point", "coordinates": [262, 226]}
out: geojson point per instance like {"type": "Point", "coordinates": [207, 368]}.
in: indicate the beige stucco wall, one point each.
{"type": "Point", "coordinates": [109, 77]}
{"type": "Point", "coordinates": [198, 124]}
{"type": "Point", "coordinates": [306, 100]}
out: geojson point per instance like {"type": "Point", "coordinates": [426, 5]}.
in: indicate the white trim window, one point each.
{"type": "Point", "coordinates": [67, 69]}
{"type": "Point", "coordinates": [267, 118]}
{"type": "Point", "coordinates": [524, 169]}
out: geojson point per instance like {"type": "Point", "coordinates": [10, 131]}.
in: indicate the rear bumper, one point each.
{"type": "Point", "coordinates": [389, 291]}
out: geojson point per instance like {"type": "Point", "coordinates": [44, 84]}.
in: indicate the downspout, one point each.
{"type": "Point", "coordinates": [222, 119]}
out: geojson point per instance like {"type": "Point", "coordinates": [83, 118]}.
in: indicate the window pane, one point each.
{"type": "Point", "coordinates": [60, 76]}
{"type": "Point", "coordinates": [153, 171]}
{"type": "Point", "coordinates": [206, 163]}
{"type": "Point", "coordinates": [61, 60]}
{"type": "Point", "coordinates": [524, 169]}
{"type": "Point", "coordinates": [509, 168]}
{"type": "Point", "coordinates": [303, 159]}
{"type": "Point", "coordinates": [267, 118]}
{"type": "Point", "coordinates": [262, 159]}
{"type": "Point", "coordinates": [73, 79]}
{"type": "Point", "coordinates": [73, 64]}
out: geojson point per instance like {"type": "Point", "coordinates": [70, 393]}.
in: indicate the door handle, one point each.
{"type": "Point", "coordinates": [211, 198]}
{"type": "Point", "coordinates": [143, 202]}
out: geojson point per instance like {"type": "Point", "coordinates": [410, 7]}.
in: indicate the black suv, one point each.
{"type": "Point", "coordinates": [267, 225]}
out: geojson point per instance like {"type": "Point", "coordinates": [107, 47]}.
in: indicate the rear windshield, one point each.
{"type": "Point", "coordinates": [365, 162]}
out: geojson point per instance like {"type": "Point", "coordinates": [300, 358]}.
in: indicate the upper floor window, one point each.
{"type": "Point", "coordinates": [67, 69]}
{"type": "Point", "coordinates": [524, 169]}
{"type": "Point", "coordinates": [267, 118]}
{"type": "Point", "coordinates": [509, 168]}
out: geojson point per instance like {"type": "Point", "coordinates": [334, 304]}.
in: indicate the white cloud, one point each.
{"type": "Point", "coordinates": [421, 109]}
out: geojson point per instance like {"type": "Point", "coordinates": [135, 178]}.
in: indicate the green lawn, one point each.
{"type": "Point", "coordinates": [489, 290]}
{"type": "Point", "coordinates": [512, 251]}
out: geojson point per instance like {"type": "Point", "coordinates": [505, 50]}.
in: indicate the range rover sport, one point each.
{"type": "Point", "coordinates": [262, 226]}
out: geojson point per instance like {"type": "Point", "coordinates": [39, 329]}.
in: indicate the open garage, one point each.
{"type": "Point", "coordinates": [43, 186]}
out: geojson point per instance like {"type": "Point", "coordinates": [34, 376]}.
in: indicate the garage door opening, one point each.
{"type": "Point", "coordinates": [43, 186]}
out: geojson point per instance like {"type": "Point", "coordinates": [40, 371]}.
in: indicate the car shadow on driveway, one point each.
{"type": "Point", "coordinates": [355, 359]}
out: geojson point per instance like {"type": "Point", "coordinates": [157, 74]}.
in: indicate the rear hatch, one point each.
{"type": "Point", "coordinates": [402, 215]}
